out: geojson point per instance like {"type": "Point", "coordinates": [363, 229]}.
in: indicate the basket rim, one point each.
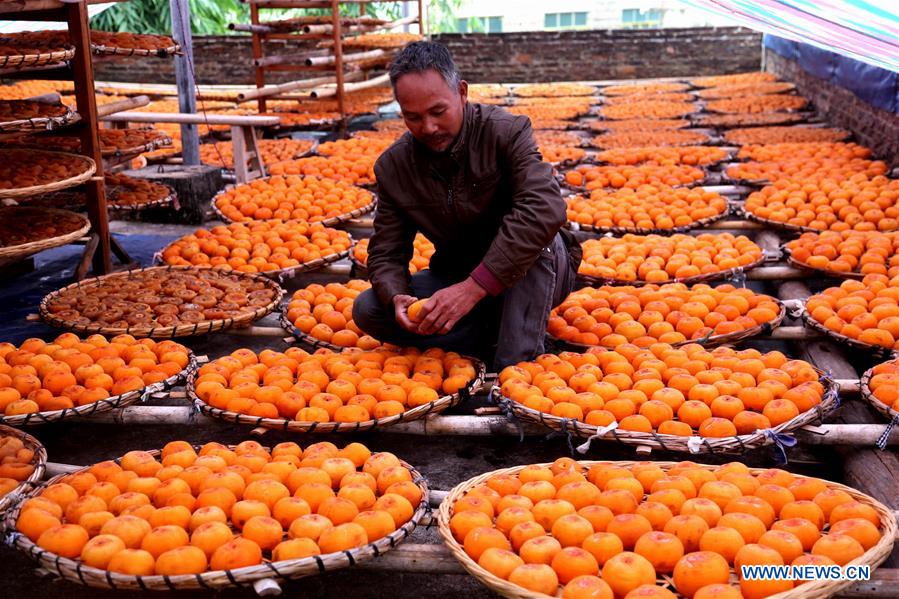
{"type": "Point", "coordinates": [804, 106]}
{"type": "Point", "coordinates": [873, 557]}
{"type": "Point", "coordinates": [868, 395]}
{"type": "Point", "coordinates": [705, 142]}
{"type": "Point", "coordinates": [76, 571]}
{"type": "Point", "coordinates": [735, 444]}
{"type": "Point", "coordinates": [18, 192]}
{"type": "Point", "coordinates": [591, 281]}
{"type": "Point", "coordinates": [787, 118]}
{"type": "Point", "coordinates": [103, 405]}
{"type": "Point", "coordinates": [710, 341]}
{"type": "Point", "coordinates": [40, 455]}
{"type": "Point", "coordinates": [16, 252]}
{"type": "Point", "coordinates": [821, 271]}
{"type": "Point", "coordinates": [434, 407]}
{"type": "Point", "coordinates": [101, 49]}
{"type": "Point", "coordinates": [22, 61]}
{"type": "Point", "coordinates": [184, 330]}
{"type": "Point", "coordinates": [729, 155]}
{"type": "Point", "coordinates": [786, 85]}
{"type": "Point", "coordinates": [160, 141]}
{"type": "Point", "coordinates": [46, 123]}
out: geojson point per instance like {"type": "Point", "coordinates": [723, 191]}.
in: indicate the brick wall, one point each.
{"type": "Point", "coordinates": [505, 57]}
{"type": "Point", "coordinates": [873, 127]}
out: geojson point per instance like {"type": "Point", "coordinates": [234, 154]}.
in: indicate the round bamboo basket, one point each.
{"type": "Point", "coordinates": [103, 405]}
{"type": "Point", "coordinates": [875, 403]}
{"type": "Point", "coordinates": [75, 571]}
{"type": "Point", "coordinates": [160, 332]}
{"type": "Point", "coordinates": [131, 208]}
{"type": "Point", "coordinates": [297, 426]}
{"type": "Point", "coordinates": [822, 272]}
{"type": "Point", "coordinates": [20, 192]}
{"type": "Point", "coordinates": [703, 222]}
{"type": "Point", "coordinates": [737, 444]}
{"type": "Point", "coordinates": [20, 61]}
{"type": "Point", "coordinates": [14, 253]}
{"type": "Point", "coordinates": [40, 464]}
{"type": "Point", "coordinates": [158, 142]}
{"type": "Point", "coordinates": [877, 351]}
{"type": "Point", "coordinates": [779, 225]}
{"type": "Point", "coordinates": [284, 273]}
{"type": "Point", "coordinates": [711, 341]}
{"type": "Point", "coordinates": [44, 123]}
{"type": "Point", "coordinates": [589, 281]}
{"type": "Point", "coordinates": [811, 590]}
{"type": "Point", "coordinates": [328, 222]}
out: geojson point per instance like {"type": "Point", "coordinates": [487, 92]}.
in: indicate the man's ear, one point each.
{"type": "Point", "coordinates": [463, 90]}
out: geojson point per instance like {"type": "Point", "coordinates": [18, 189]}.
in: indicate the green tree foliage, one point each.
{"type": "Point", "coordinates": [211, 17]}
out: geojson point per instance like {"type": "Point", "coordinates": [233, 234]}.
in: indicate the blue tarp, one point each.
{"type": "Point", "coordinates": [876, 86]}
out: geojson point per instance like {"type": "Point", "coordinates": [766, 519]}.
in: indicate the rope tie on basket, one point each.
{"type": "Point", "coordinates": [794, 308]}
{"type": "Point", "coordinates": [564, 424]}
{"type": "Point", "coordinates": [884, 437]}
{"type": "Point", "coordinates": [600, 433]}
{"type": "Point", "coordinates": [505, 406]}
{"type": "Point", "coordinates": [781, 442]}
{"type": "Point", "coordinates": [739, 278]}
{"type": "Point", "coordinates": [694, 444]}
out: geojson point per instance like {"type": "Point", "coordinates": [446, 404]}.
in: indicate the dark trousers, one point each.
{"type": "Point", "coordinates": [500, 330]}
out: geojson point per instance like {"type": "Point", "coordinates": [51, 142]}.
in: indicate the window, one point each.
{"type": "Point", "coordinates": [634, 18]}
{"type": "Point", "coordinates": [480, 25]}
{"type": "Point", "coordinates": [564, 20]}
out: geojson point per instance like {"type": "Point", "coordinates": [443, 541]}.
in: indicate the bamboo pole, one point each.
{"type": "Point", "coordinates": [250, 28]}
{"type": "Point", "coordinates": [360, 27]}
{"type": "Point", "coordinates": [122, 105]}
{"type": "Point", "coordinates": [283, 88]}
{"type": "Point", "coordinates": [317, 61]}
{"type": "Point", "coordinates": [330, 91]}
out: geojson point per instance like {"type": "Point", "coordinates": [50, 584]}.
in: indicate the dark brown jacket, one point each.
{"type": "Point", "coordinates": [490, 201]}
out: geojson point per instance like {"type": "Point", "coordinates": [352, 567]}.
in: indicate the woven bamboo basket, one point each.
{"type": "Point", "coordinates": [782, 118]}
{"type": "Point", "coordinates": [112, 50]}
{"type": "Point", "coordinates": [710, 341]}
{"type": "Point", "coordinates": [75, 571]}
{"type": "Point", "coordinates": [39, 461]}
{"type": "Point", "coordinates": [876, 351]}
{"type": "Point", "coordinates": [296, 426]}
{"type": "Point", "coordinates": [703, 222]}
{"type": "Point", "coordinates": [169, 332]}
{"type": "Point", "coordinates": [328, 222]}
{"type": "Point", "coordinates": [822, 272]}
{"type": "Point", "coordinates": [284, 273]}
{"type": "Point", "coordinates": [738, 444]}
{"type": "Point", "coordinates": [875, 403]}
{"type": "Point", "coordinates": [159, 142]}
{"type": "Point", "coordinates": [787, 110]}
{"type": "Point", "coordinates": [589, 281]}
{"type": "Point", "coordinates": [20, 192]}
{"type": "Point", "coordinates": [46, 123]}
{"type": "Point", "coordinates": [779, 225]}
{"type": "Point", "coordinates": [103, 405]}
{"type": "Point", "coordinates": [20, 61]}
{"type": "Point", "coordinates": [810, 590]}
{"type": "Point", "coordinates": [18, 252]}
{"type": "Point", "coordinates": [168, 200]}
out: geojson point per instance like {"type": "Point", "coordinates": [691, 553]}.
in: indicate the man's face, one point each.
{"type": "Point", "coordinates": [432, 110]}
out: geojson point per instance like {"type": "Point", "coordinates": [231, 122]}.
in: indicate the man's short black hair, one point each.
{"type": "Point", "coordinates": [418, 57]}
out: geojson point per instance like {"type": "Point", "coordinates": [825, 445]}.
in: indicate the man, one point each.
{"type": "Point", "coordinates": [470, 178]}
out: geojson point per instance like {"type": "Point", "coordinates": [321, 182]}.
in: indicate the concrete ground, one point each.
{"type": "Point", "coordinates": [445, 461]}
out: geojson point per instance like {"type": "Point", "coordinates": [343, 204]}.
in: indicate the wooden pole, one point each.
{"type": "Point", "coordinates": [355, 57]}
{"type": "Point", "coordinates": [122, 105]}
{"type": "Point", "coordinates": [274, 90]}
{"type": "Point", "coordinates": [86, 101]}
{"type": "Point", "coordinates": [327, 92]}
{"type": "Point", "coordinates": [184, 80]}
{"type": "Point", "coordinates": [257, 54]}
{"type": "Point", "coordinates": [338, 64]}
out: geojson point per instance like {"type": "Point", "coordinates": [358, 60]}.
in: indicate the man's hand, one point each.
{"type": "Point", "coordinates": [446, 307]}
{"type": "Point", "coordinates": [401, 303]}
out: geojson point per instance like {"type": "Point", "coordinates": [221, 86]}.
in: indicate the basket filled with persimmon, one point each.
{"type": "Point", "coordinates": [22, 463]}
{"type": "Point", "coordinates": [846, 254]}
{"type": "Point", "coordinates": [321, 316]}
{"type": "Point", "coordinates": [641, 259]}
{"type": "Point", "coordinates": [274, 248]}
{"type": "Point", "coordinates": [588, 177]}
{"type": "Point", "coordinates": [330, 392]}
{"type": "Point", "coordinates": [295, 197]}
{"type": "Point", "coordinates": [658, 530]}
{"type": "Point", "coordinates": [162, 302]}
{"type": "Point", "coordinates": [25, 173]}
{"type": "Point", "coordinates": [422, 250]}
{"type": "Point", "coordinates": [860, 314]}
{"type": "Point", "coordinates": [27, 230]}
{"type": "Point", "coordinates": [685, 399]}
{"type": "Point", "coordinates": [70, 376]}
{"type": "Point", "coordinates": [880, 388]}
{"type": "Point", "coordinates": [672, 313]}
{"type": "Point", "coordinates": [646, 209]}
{"type": "Point", "coordinates": [213, 516]}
